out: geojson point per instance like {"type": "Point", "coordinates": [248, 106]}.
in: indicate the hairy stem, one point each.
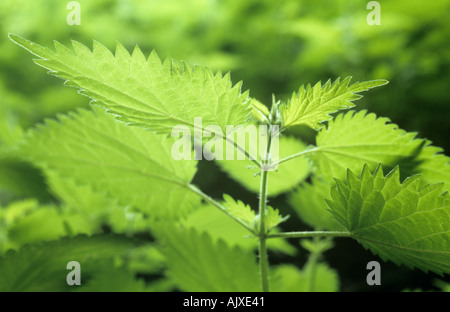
{"type": "Point", "coordinates": [263, 260]}
{"type": "Point", "coordinates": [310, 234]}
{"type": "Point", "coordinates": [312, 273]}
{"type": "Point", "coordinates": [312, 264]}
{"type": "Point", "coordinates": [296, 155]}
{"type": "Point", "coordinates": [263, 264]}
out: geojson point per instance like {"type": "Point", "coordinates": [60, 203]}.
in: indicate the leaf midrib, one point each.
{"type": "Point", "coordinates": [434, 252]}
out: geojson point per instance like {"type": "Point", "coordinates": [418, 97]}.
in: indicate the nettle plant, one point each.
{"type": "Point", "coordinates": [364, 179]}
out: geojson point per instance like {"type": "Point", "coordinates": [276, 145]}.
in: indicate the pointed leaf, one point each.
{"type": "Point", "coordinates": [131, 164]}
{"type": "Point", "coordinates": [274, 218]}
{"type": "Point", "coordinates": [239, 209]}
{"type": "Point", "coordinates": [354, 139]}
{"type": "Point", "coordinates": [145, 91]}
{"type": "Point", "coordinates": [196, 263]}
{"type": "Point", "coordinates": [42, 267]}
{"type": "Point", "coordinates": [403, 222]}
{"type": "Point", "coordinates": [313, 105]}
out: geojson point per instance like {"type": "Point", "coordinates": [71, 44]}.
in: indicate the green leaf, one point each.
{"type": "Point", "coordinates": [11, 131]}
{"type": "Point", "coordinates": [145, 91]}
{"type": "Point", "coordinates": [313, 105]}
{"type": "Point", "coordinates": [219, 226]}
{"type": "Point", "coordinates": [288, 278]}
{"type": "Point", "coordinates": [113, 280]}
{"type": "Point", "coordinates": [197, 263]}
{"type": "Point", "coordinates": [260, 112]}
{"type": "Point", "coordinates": [433, 165]}
{"type": "Point", "coordinates": [9, 216]}
{"type": "Point", "coordinates": [42, 224]}
{"type": "Point", "coordinates": [317, 247]}
{"type": "Point", "coordinates": [285, 178]}
{"type": "Point", "coordinates": [17, 210]}
{"type": "Point", "coordinates": [273, 218]}
{"type": "Point", "coordinates": [308, 201]}
{"type": "Point", "coordinates": [130, 164]}
{"type": "Point", "coordinates": [42, 267]}
{"type": "Point", "coordinates": [354, 139]}
{"type": "Point", "coordinates": [27, 222]}
{"type": "Point", "coordinates": [444, 286]}
{"type": "Point", "coordinates": [239, 209]}
{"type": "Point", "coordinates": [95, 207]}
{"type": "Point", "coordinates": [110, 278]}
{"type": "Point", "coordinates": [20, 177]}
{"type": "Point", "coordinates": [403, 222]}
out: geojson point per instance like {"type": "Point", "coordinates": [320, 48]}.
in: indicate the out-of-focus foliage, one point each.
{"type": "Point", "coordinates": [273, 46]}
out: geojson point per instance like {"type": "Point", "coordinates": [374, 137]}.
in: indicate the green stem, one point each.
{"type": "Point", "coordinates": [263, 264]}
{"type": "Point", "coordinates": [312, 265]}
{"type": "Point", "coordinates": [263, 260]}
{"type": "Point", "coordinates": [310, 234]}
{"type": "Point", "coordinates": [222, 208]}
{"type": "Point", "coordinates": [296, 155]}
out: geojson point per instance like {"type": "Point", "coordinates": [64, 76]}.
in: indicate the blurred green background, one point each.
{"type": "Point", "coordinates": [272, 46]}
